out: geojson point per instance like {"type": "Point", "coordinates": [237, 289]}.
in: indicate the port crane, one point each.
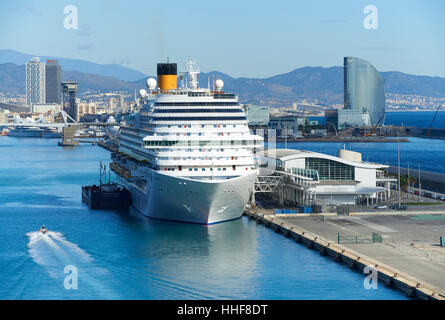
{"type": "Point", "coordinates": [428, 133]}
{"type": "Point", "coordinates": [372, 132]}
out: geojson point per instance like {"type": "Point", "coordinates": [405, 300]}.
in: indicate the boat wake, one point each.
{"type": "Point", "coordinates": [54, 253]}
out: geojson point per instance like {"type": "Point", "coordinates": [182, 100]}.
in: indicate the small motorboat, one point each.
{"type": "Point", "coordinates": [43, 229]}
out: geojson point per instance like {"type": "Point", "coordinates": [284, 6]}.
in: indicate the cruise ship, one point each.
{"type": "Point", "coordinates": [187, 155]}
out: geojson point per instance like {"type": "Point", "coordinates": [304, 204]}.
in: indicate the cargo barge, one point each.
{"type": "Point", "coordinates": [106, 197]}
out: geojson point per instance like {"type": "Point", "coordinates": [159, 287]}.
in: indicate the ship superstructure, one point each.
{"type": "Point", "coordinates": [188, 154]}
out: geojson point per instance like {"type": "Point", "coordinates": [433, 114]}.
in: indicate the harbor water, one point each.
{"type": "Point", "coordinates": [421, 119]}
{"type": "Point", "coordinates": [428, 153]}
{"type": "Point", "coordinates": [126, 256]}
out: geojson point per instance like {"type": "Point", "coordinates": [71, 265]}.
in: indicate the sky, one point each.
{"type": "Point", "coordinates": [242, 38]}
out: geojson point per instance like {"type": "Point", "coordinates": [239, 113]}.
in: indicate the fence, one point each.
{"type": "Point", "coordinates": [359, 239]}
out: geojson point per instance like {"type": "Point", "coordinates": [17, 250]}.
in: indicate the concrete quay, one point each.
{"type": "Point", "coordinates": [408, 257]}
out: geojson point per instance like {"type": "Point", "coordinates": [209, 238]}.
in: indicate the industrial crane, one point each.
{"type": "Point", "coordinates": [432, 121]}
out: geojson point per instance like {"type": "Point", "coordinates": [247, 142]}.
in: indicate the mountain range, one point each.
{"type": "Point", "coordinates": [107, 70]}
{"type": "Point", "coordinates": [323, 84]}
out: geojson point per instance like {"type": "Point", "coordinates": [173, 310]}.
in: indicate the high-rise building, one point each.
{"type": "Point", "coordinates": [86, 108]}
{"type": "Point", "coordinates": [112, 105]}
{"type": "Point", "coordinates": [53, 78]}
{"type": "Point", "coordinates": [70, 105]}
{"type": "Point", "coordinates": [35, 83]}
{"type": "Point", "coordinates": [122, 106]}
{"type": "Point", "coordinates": [364, 96]}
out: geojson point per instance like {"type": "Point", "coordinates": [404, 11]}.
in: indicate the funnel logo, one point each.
{"type": "Point", "coordinates": [371, 20]}
{"type": "Point", "coordinates": [71, 21]}
{"type": "Point", "coordinates": [70, 281]}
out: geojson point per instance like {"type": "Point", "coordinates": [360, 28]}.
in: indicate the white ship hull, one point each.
{"type": "Point", "coordinates": [193, 201]}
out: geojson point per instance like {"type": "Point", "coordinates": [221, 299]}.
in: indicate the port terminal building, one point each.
{"type": "Point", "coordinates": [308, 178]}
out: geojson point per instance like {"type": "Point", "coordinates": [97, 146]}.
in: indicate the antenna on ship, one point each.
{"type": "Point", "coordinates": [100, 174]}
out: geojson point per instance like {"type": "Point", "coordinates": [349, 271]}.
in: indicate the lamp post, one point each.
{"type": "Point", "coordinates": [398, 162]}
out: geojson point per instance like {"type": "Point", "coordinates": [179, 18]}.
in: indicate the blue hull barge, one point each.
{"type": "Point", "coordinates": [106, 197]}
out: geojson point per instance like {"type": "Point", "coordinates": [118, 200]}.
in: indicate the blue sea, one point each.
{"type": "Point", "coordinates": [429, 154]}
{"type": "Point", "coordinates": [123, 256]}
{"type": "Point", "coordinates": [422, 119]}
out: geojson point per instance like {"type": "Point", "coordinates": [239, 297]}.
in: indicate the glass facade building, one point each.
{"type": "Point", "coordinates": [330, 170]}
{"type": "Point", "coordinates": [53, 78]}
{"type": "Point", "coordinates": [35, 83]}
{"type": "Point", "coordinates": [364, 96]}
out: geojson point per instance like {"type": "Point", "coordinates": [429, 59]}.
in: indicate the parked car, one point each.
{"type": "Point", "coordinates": [427, 194]}
{"type": "Point", "coordinates": [397, 207]}
{"type": "Point", "coordinates": [381, 206]}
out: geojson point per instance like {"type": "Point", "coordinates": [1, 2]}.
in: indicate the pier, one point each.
{"type": "Point", "coordinates": [354, 241]}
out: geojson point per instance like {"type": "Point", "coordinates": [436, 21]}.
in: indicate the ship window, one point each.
{"type": "Point", "coordinates": [196, 169]}
{"type": "Point", "coordinates": [190, 169]}
{"type": "Point", "coordinates": [203, 169]}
